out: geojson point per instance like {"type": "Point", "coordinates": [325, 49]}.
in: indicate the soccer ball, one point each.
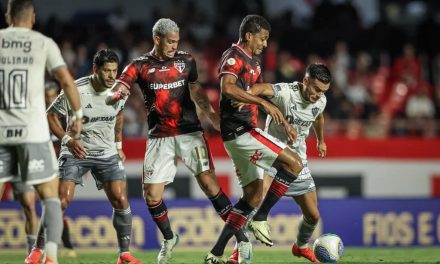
{"type": "Point", "coordinates": [328, 248]}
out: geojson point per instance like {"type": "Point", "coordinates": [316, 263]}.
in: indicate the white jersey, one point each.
{"type": "Point", "coordinates": [98, 133]}
{"type": "Point", "coordinates": [298, 112]}
{"type": "Point", "coordinates": [24, 56]}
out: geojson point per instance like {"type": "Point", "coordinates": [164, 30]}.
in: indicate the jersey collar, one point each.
{"type": "Point", "coordinates": [243, 50]}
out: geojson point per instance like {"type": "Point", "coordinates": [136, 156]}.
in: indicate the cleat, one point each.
{"type": "Point", "coordinates": [34, 257]}
{"type": "Point", "coordinates": [304, 252]}
{"type": "Point", "coordinates": [127, 258]}
{"type": "Point", "coordinates": [49, 261]}
{"type": "Point", "coordinates": [244, 252]}
{"type": "Point", "coordinates": [212, 259]}
{"type": "Point", "coordinates": [261, 231]}
{"type": "Point", "coordinates": [233, 259]}
{"type": "Point", "coordinates": [166, 249]}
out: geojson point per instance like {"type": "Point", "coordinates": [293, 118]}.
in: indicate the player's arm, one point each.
{"type": "Point", "coordinates": [67, 83]}
{"type": "Point", "coordinates": [200, 98]}
{"type": "Point", "coordinates": [262, 89]}
{"type": "Point", "coordinates": [318, 126]}
{"type": "Point", "coordinates": [74, 145]}
{"type": "Point", "coordinates": [118, 92]}
{"type": "Point", "coordinates": [118, 134]}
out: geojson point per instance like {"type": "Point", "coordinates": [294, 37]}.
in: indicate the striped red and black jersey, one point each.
{"type": "Point", "coordinates": [165, 86]}
{"type": "Point", "coordinates": [246, 68]}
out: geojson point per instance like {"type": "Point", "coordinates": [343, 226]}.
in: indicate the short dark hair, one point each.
{"type": "Point", "coordinates": [16, 7]}
{"type": "Point", "coordinates": [319, 72]}
{"type": "Point", "coordinates": [105, 56]}
{"type": "Point", "coordinates": [253, 24]}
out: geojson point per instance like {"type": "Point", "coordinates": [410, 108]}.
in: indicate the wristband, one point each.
{"type": "Point", "coordinates": [77, 115]}
{"type": "Point", "coordinates": [65, 139]}
{"type": "Point", "coordinates": [118, 145]}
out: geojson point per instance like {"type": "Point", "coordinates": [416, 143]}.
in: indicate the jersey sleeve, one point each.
{"type": "Point", "coordinates": [54, 59]}
{"type": "Point", "coordinates": [231, 64]}
{"type": "Point", "coordinates": [193, 75]}
{"type": "Point", "coordinates": [60, 105]}
{"type": "Point", "coordinates": [281, 94]}
{"type": "Point", "coordinates": [129, 75]}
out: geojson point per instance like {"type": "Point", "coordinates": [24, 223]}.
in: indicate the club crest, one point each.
{"type": "Point", "coordinates": [179, 65]}
{"type": "Point", "coordinates": [315, 111]}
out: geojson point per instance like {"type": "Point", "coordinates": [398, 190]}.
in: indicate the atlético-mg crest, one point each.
{"type": "Point", "coordinates": [179, 65]}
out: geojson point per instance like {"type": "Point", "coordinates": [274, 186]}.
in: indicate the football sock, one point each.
{"type": "Point", "coordinates": [53, 221]}
{"type": "Point", "coordinates": [223, 206]}
{"type": "Point", "coordinates": [159, 212]}
{"type": "Point", "coordinates": [30, 241]}
{"type": "Point", "coordinates": [66, 235]}
{"type": "Point", "coordinates": [305, 231]}
{"type": "Point", "coordinates": [122, 222]}
{"type": "Point", "coordinates": [279, 186]}
{"type": "Point", "coordinates": [235, 221]}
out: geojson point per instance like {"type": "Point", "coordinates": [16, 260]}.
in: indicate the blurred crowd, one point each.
{"type": "Point", "coordinates": [386, 73]}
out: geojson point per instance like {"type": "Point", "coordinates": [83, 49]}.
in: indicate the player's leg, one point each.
{"type": "Point", "coordinates": [160, 169]}
{"type": "Point", "coordinates": [67, 241]}
{"type": "Point", "coordinates": [110, 175]}
{"type": "Point", "coordinates": [194, 151]}
{"type": "Point", "coordinates": [25, 194]}
{"type": "Point", "coordinates": [308, 203]}
{"type": "Point", "coordinates": [67, 192]}
{"type": "Point", "coordinates": [38, 166]}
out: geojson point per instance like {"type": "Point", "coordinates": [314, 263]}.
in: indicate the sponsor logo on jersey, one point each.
{"type": "Point", "coordinates": [152, 70]}
{"type": "Point", "coordinates": [165, 86]}
{"type": "Point", "coordinates": [164, 68]}
{"type": "Point", "coordinates": [14, 133]}
{"type": "Point", "coordinates": [89, 106]}
{"type": "Point", "coordinates": [36, 165]}
{"type": "Point", "coordinates": [87, 119]}
{"type": "Point", "coordinates": [17, 44]}
{"type": "Point", "coordinates": [95, 153]}
{"type": "Point", "coordinates": [179, 65]}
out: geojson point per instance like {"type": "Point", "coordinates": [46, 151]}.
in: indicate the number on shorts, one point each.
{"type": "Point", "coordinates": [13, 91]}
{"type": "Point", "coordinates": [201, 152]}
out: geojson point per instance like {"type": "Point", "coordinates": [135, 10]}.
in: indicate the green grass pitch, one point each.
{"type": "Point", "coordinates": [428, 255]}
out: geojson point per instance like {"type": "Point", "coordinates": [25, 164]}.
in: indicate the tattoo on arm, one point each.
{"type": "Point", "coordinates": [118, 126]}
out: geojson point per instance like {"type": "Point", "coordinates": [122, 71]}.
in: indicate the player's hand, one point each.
{"type": "Point", "coordinates": [77, 149]}
{"type": "Point", "coordinates": [291, 132]}
{"type": "Point", "coordinates": [238, 105]}
{"type": "Point", "coordinates": [273, 111]}
{"type": "Point", "coordinates": [122, 155]}
{"type": "Point", "coordinates": [322, 149]}
{"type": "Point", "coordinates": [75, 128]}
{"type": "Point", "coordinates": [122, 92]}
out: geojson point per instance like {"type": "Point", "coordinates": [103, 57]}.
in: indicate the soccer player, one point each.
{"type": "Point", "coordinates": [99, 150]}
{"type": "Point", "coordinates": [248, 146]}
{"type": "Point", "coordinates": [168, 80]}
{"type": "Point", "coordinates": [303, 105]}
{"type": "Point", "coordinates": [26, 152]}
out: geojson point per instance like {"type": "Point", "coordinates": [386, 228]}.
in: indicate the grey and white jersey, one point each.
{"type": "Point", "coordinates": [24, 56]}
{"type": "Point", "coordinates": [298, 112]}
{"type": "Point", "coordinates": [98, 133]}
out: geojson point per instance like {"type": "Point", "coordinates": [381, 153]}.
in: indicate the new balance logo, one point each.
{"type": "Point", "coordinates": [89, 106]}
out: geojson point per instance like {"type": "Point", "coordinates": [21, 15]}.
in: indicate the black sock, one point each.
{"type": "Point", "coordinates": [236, 220]}
{"type": "Point", "coordinates": [159, 212]}
{"type": "Point", "coordinates": [279, 186]}
{"type": "Point", "coordinates": [66, 235]}
{"type": "Point", "coordinates": [223, 206]}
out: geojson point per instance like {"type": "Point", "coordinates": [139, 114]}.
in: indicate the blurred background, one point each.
{"type": "Point", "coordinates": [382, 119]}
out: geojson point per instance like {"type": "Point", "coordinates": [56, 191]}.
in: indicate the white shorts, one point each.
{"type": "Point", "coordinates": [160, 163]}
{"type": "Point", "coordinates": [252, 150]}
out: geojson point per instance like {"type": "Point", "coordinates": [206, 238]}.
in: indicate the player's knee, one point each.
{"type": "Point", "coordinates": [120, 202]}
{"type": "Point", "coordinates": [312, 218]}
{"type": "Point", "coordinates": [295, 165]}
